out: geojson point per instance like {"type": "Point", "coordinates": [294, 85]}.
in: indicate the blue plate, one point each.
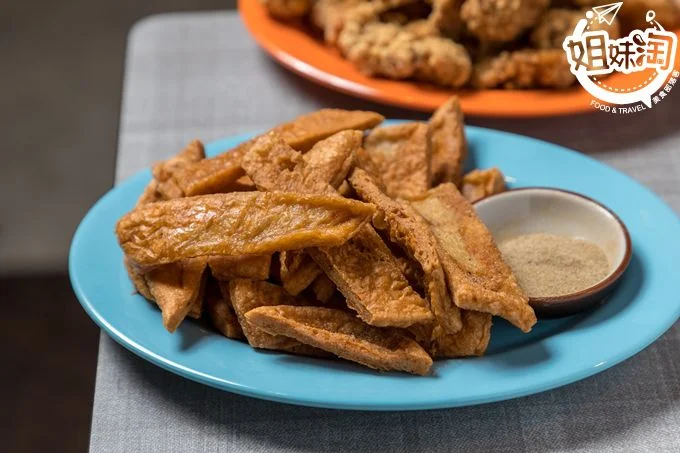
{"type": "Point", "coordinates": [555, 353]}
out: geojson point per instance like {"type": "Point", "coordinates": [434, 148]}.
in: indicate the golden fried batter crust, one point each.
{"type": "Point", "coordinates": [344, 335]}
{"type": "Point", "coordinates": [446, 137]}
{"type": "Point", "coordinates": [246, 295]}
{"type": "Point", "coordinates": [501, 20]}
{"type": "Point", "coordinates": [479, 184]}
{"type": "Point", "coordinates": [221, 313]}
{"type": "Point", "coordinates": [298, 270]}
{"type": "Point", "coordinates": [472, 340]}
{"type": "Point", "coordinates": [244, 223]}
{"type": "Point", "coordinates": [477, 276]}
{"type": "Point", "coordinates": [400, 158]}
{"type": "Point", "coordinates": [176, 287]}
{"type": "Point", "coordinates": [330, 15]}
{"type": "Point", "coordinates": [528, 68]}
{"type": "Point", "coordinates": [253, 267]}
{"type": "Point", "coordinates": [412, 233]}
{"type": "Point", "coordinates": [363, 268]}
{"type": "Point", "coordinates": [287, 9]}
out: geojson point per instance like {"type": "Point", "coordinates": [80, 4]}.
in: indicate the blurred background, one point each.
{"type": "Point", "coordinates": [60, 89]}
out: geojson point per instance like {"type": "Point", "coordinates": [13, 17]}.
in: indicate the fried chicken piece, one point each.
{"type": "Point", "coordinates": [330, 15]}
{"type": "Point", "coordinates": [219, 173]}
{"type": "Point", "coordinates": [480, 184]}
{"type": "Point", "coordinates": [471, 340]}
{"type": "Point", "coordinates": [253, 267]}
{"type": "Point", "coordinates": [234, 224]}
{"type": "Point", "coordinates": [406, 228]}
{"type": "Point", "coordinates": [399, 157]}
{"type": "Point", "coordinates": [246, 295]}
{"type": "Point", "coordinates": [446, 138]}
{"type": "Point", "coordinates": [557, 23]}
{"type": "Point", "coordinates": [363, 268]}
{"type": "Point", "coordinates": [342, 334]}
{"type": "Point", "coordinates": [477, 276]}
{"type": "Point", "coordinates": [221, 312]}
{"type": "Point", "coordinates": [393, 51]}
{"type": "Point", "coordinates": [287, 9]}
{"type": "Point", "coordinates": [501, 20]}
{"type": "Point", "coordinates": [446, 17]}
{"type": "Point", "coordinates": [323, 288]}
{"type": "Point", "coordinates": [528, 68]}
{"type": "Point", "coordinates": [176, 287]}
{"type": "Point", "coordinates": [298, 271]}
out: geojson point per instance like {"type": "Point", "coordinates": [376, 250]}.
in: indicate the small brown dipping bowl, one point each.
{"type": "Point", "coordinates": [554, 211]}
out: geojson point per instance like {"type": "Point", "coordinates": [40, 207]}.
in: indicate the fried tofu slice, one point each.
{"type": "Point", "coordinates": [298, 270]}
{"type": "Point", "coordinates": [219, 173]}
{"type": "Point", "coordinates": [446, 137]}
{"type": "Point", "coordinates": [479, 184]}
{"type": "Point", "coordinates": [323, 288]}
{"type": "Point", "coordinates": [176, 287]}
{"type": "Point", "coordinates": [400, 157]}
{"type": "Point", "coordinates": [471, 340]}
{"type": "Point", "coordinates": [246, 295]}
{"type": "Point", "coordinates": [221, 312]}
{"type": "Point", "coordinates": [331, 159]}
{"type": "Point", "coordinates": [363, 268]}
{"type": "Point", "coordinates": [477, 276]}
{"type": "Point", "coordinates": [234, 224]}
{"type": "Point", "coordinates": [137, 278]}
{"type": "Point", "coordinates": [408, 229]}
{"type": "Point", "coordinates": [342, 334]}
{"type": "Point", "coordinates": [253, 267]}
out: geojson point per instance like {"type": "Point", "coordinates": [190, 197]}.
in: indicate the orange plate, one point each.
{"type": "Point", "coordinates": [298, 50]}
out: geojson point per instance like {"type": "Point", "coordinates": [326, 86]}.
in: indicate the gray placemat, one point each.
{"type": "Point", "coordinates": [201, 75]}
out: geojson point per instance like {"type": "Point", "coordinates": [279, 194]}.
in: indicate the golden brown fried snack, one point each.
{"type": "Point", "coordinates": [446, 17]}
{"type": "Point", "coordinates": [479, 184]}
{"type": "Point", "coordinates": [477, 276]}
{"type": "Point", "coordinates": [287, 9]}
{"type": "Point", "coordinates": [253, 267]}
{"type": "Point", "coordinates": [246, 295]}
{"type": "Point", "coordinates": [219, 173]}
{"type": "Point", "coordinates": [342, 334]}
{"type": "Point", "coordinates": [400, 157]}
{"type": "Point", "coordinates": [331, 159]}
{"type": "Point", "coordinates": [330, 15]}
{"type": "Point", "coordinates": [393, 51]}
{"type": "Point", "coordinates": [363, 268]}
{"type": "Point", "coordinates": [557, 23]}
{"type": "Point", "coordinates": [234, 224]}
{"type": "Point", "coordinates": [406, 228]}
{"type": "Point", "coordinates": [365, 272]}
{"type": "Point", "coordinates": [446, 137]}
{"type": "Point", "coordinates": [472, 340]}
{"type": "Point", "coordinates": [528, 68]}
{"type": "Point", "coordinates": [176, 287]}
{"type": "Point", "coordinates": [298, 271]}
{"type": "Point", "coordinates": [222, 314]}
{"type": "Point", "coordinates": [323, 288]}
{"type": "Point", "coordinates": [501, 20]}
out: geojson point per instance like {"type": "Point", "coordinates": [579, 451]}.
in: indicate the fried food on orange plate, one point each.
{"type": "Point", "coordinates": [477, 276]}
{"type": "Point", "coordinates": [472, 340]}
{"type": "Point", "coordinates": [526, 68]}
{"type": "Point", "coordinates": [344, 335]}
{"type": "Point", "coordinates": [446, 136]}
{"type": "Point", "coordinates": [176, 287]}
{"type": "Point", "coordinates": [287, 9]}
{"type": "Point", "coordinates": [298, 270]}
{"type": "Point", "coordinates": [363, 268]}
{"type": "Point", "coordinates": [400, 158]}
{"type": "Point", "coordinates": [406, 228]}
{"type": "Point", "coordinates": [329, 16]}
{"type": "Point", "coordinates": [221, 312]}
{"type": "Point", "coordinates": [253, 267]}
{"type": "Point", "coordinates": [219, 173]}
{"type": "Point", "coordinates": [243, 223]}
{"type": "Point", "coordinates": [245, 295]}
{"type": "Point", "coordinates": [501, 20]}
{"type": "Point", "coordinates": [479, 184]}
